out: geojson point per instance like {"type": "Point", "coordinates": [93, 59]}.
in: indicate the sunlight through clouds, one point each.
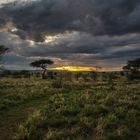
{"type": "Point", "coordinates": [59, 37]}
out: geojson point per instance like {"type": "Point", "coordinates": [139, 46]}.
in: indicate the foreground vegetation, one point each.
{"type": "Point", "coordinates": [79, 110]}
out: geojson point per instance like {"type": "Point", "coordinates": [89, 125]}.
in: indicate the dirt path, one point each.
{"type": "Point", "coordinates": [10, 119]}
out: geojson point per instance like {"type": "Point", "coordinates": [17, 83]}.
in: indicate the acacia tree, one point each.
{"type": "Point", "coordinates": [133, 67]}
{"type": "Point", "coordinates": [43, 64]}
{"type": "Point", "coordinates": [3, 49]}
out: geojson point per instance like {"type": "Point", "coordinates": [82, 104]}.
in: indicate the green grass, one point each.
{"type": "Point", "coordinates": [78, 111]}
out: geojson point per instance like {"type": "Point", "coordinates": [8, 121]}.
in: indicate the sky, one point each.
{"type": "Point", "coordinates": [103, 33]}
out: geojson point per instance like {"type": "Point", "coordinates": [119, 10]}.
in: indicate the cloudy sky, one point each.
{"type": "Point", "coordinates": [102, 33]}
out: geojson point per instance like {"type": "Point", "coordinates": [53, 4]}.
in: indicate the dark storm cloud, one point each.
{"type": "Point", "coordinates": [80, 48]}
{"type": "Point", "coordinates": [94, 32]}
{"type": "Point", "coordinates": [86, 44]}
{"type": "Point", "coordinates": [98, 17]}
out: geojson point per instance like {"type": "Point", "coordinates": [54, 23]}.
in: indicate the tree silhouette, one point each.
{"type": "Point", "coordinates": [3, 50]}
{"type": "Point", "coordinates": [133, 66]}
{"type": "Point", "coordinates": [43, 63]}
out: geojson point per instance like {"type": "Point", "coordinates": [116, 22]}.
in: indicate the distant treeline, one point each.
{"type": "Point", "coordinates": [77, 75]}
{"type": "Point", "coordinates": [19, 74]}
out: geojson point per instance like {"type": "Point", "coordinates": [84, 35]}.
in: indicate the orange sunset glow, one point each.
{"type": "Point", "coordinates": [76, 69]}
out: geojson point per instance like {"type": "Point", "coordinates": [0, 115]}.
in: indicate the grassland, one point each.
{"type": "Point", "coordinates": [34, 109]}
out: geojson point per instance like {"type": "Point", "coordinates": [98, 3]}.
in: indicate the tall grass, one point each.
{"type": "Point", "coordinates": [86, 111]}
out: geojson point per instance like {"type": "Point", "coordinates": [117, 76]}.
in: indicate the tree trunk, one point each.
{"type": "Point", "coordinates": [43, 73]}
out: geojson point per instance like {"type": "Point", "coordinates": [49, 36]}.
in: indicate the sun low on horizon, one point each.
{"type": "Point", "coordinates": [76, 69]}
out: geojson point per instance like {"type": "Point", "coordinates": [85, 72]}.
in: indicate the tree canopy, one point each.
{"type": "Point", "coordinates": [43, 63]}
{"type": "Point", "coordinates": [3, 49]}
{"type": "Point", "coordinates": [133, 65]}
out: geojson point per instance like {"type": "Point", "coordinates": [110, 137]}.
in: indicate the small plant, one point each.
{"type": "Point", "coordinates": [57, 84]}
{"type": "Point", "coordinates": [111, 78]}
{"type": "Point", "coordinates": [94, 76]}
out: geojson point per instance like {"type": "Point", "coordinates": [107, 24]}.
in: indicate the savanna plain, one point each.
{"type": "Point", "coordinates": [69, 108]}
